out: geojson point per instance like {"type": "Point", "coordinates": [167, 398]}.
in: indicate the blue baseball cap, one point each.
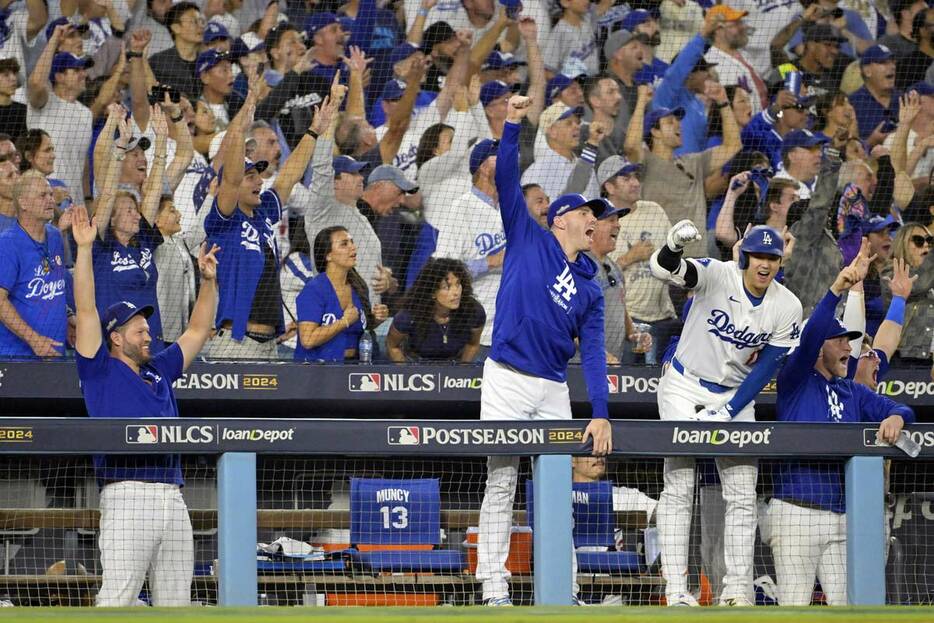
{"type": "Point", "coordinates": [613, 211]}
{"type": "Point", "coordinates": [67, 60]}
{"type": "Point", "coordinates": [511, 4]}
{"type": "Point", "coordinates": [495, 89]}
{"type": "Point", "coordinates": [878, 222]}
{"type": "Point", "coordinates": [838, 329]}
{"type": "Point", "coordinates": [875, 54]}
{"type": "Point", "coordinates": [501, 60]}
{"type": "Point", "coordinates": [616, 165]}
{"type": "Point", "coordinates": [346, 164]}
{"type": "Point", "coordinates": [481, 151]}
{"type": "Point", "coordinates": [402, 52]}
{"type": "Point", "coordinates": [209, 59]}
{"type": "Point", "coordinates": [346, 22]}
{"type": "Point", "coordinates": [55, 23]}
{"type": "Point", "coordinates": [802, 138]}
{"type": "Point", "coordinates": [389, 173]}
{"type": "Point", "coordinates": [246, 44]}
{"type": "Point", "coordinates": [573, 201]}
{"type": "Point", "coordinates": [922, 88]}
{"type": "Point", "coordinates": [393, 90]}
{"type": "Point", "coordinates": [120, 313]}
{"type": "Point", "coordinates": [635, 18]}
{"type": "Point", "coordinates": [658, 114]}
{"type": "Point", "coordinates": [214, 31]}
{"type": "Point", "coordinates": [557, 84]}
{"type": "Point", "coordinates": [316, 22]}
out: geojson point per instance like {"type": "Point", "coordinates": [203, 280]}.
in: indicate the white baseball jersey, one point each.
{"type": "Point", "coordinates": [724, 331]}
{"type": "Point", "coordinates": [472, 229]}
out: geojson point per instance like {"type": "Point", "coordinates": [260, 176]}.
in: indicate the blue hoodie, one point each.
{"type": "Point", "coordinates": [544, 301]}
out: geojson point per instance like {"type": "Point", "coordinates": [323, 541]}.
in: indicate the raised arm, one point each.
{"type": "Point", "coordinates": [482, 49]}
{"type": "Point", "coordinates": [105, 141]}
{"type": "Point", "coordinates": [202, 316]}
{"type": "Point", "coordinates": [37, 87]}
{"type": "Point", "coordinates": [731, 145]}
{"type": "Point", "coordinates": [184, 146]}
{"type": "Point", "coordinates": [537, 81]}
{"type": "Point", "coordinates": [632, 146]}
{"type": "Point", "coordinates": [233, 148]}
{"type": "Point", "coordinates": [38, 17]}
{"type": "Point", "coordinates": [88, 324]}
{"type": "Point", "coordinates": [356, 101]}
{"type": "Point", "coordinates": [294, 167]}
{"type": "Point", "coordinates": [459, 74]}
{"type": "Point", "coordinates": [103, 207]}
{"type": "Point", "coordinates": [725, 229]}
{"type": "Point", "coordinates": [417, 29]}
{"type": "Point", "coordinates": [109, 89]}
{"type": "Point", "coordinates": [908, 110]}
{"type": "Point", "coordinates": [889, 333]}
{"type": "Point", "coordinates": [152, 190]}
{"type": "Point", "coordinates": [139, 84]}
{"type": "Point", "coordinates": [516, 220]}
{"type": "Point", "coordinates": [583, 168]}
{"type": "Point", "coordinates": [398, 121]}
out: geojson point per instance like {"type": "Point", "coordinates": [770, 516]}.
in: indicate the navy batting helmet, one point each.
{"type": "Point", "coordinates": [761, 239]}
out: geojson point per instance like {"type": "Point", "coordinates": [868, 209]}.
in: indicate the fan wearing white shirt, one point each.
{"type": "Point", "coordinates": [561, 127]}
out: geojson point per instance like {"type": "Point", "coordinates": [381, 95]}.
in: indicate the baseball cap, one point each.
{"type": "Point", "coordinates": [635, 18]}
{"type": "Point", "coordinates": [501, 60]}
{"type": "Point", "coordinates": [138, 141]}
{"type": "Point", "coordinates": [822, 33]}
{"type": "Point", "coordinates": [573, 201]}
{"type": "Point", "coordinates": [393, 90]}
{"type": "Point", "coordinates": [402, 52]}
{"type": "Point", "coordinates": [439, 32]}
{"type": "Point", "coordinates": [481, 151]}
{"type": "Point", "coordinates": [247, 43]}
{"type": "Point", "coordinates": [729, 13]}
{"type": "Point", "coordinates": [67, 60]}
{"type": "Point", "coordinates": [555, 113]}
{"type": "Point", "coordinates": [209, 59]}
{"type": "Point", "coordinates": [875, 54]}
{"type": "Point", "coordinates": [259, 165]}
{"type": "Point", "coordinates": [316, 22]}
{"type": "Point", "coordinates": [656, 115]}
{"type": "Point", "coordinates": [347, 164]}
{"type": "Point", "coordinates": [120, 313]}
{"type": "Point", "coordinates": [878, 223]}
{"type": "Point", "coordinates": [922, 88]}
{"type": "Point", "coordinates": [214, 31]}
{"type": "Point", "coordinates": [620, 38]}
{"type": "Point", "coordinates": [346, 22]}
{"type": "Point", "coordinates": [495, 89]}
{"type": "Point", "coordinates": [389, 173]}
{"type": "Point", "coordinates": [613, 166]}
{"type": "Point", "coordinates": [613, 211]}
{"type": "Point", "coordinates": [555, 86]}
{"type": "Point", "coordinates": [838, 329]}
{"type": "Point", "coordinates": [55, 23]}
{"type": "Point", "coordinates": [802, 138]}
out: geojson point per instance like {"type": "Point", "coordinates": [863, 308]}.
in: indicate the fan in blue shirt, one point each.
{"type": "Point", "coordinates": [33, 277]}
{"type": "Point", "coordinates": [143, 515]}
{"type": "Point", "coordinates": [547, 298]}
{"type": "Point", "coordinates": [808, 531]}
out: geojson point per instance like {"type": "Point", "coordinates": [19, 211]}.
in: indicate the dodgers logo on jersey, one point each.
{"type": "Point", "coordinates": [834, 405]}
{"type": "Point", "coordinates": [741, 337]}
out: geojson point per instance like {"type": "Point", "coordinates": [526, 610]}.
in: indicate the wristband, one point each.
{"type": "Point", "coordinates": [422, 12]}
{"type": "Point", "coordinates": [311, 133]}
{"type": "Point", "coordinates": [178, 118]}
{"type": "Point", "coordinates": [720, 106]}
{"type": "Point", "coordinates": [896, 311]}
{"type": "Point", "coordinates": [131, 54]}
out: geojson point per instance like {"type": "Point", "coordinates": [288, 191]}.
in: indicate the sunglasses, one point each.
{"type": "Point", "coordinates": [920, 241]}
{"type": "Point", "coordinates": [869, 354]}
{"type": "Point", "coordinates": [609, 276]}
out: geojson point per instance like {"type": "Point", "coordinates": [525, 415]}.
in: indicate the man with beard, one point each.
{"type": "Point", "coordinates": [144, 520]}
{"type": "Point", "coordinates": [729, 38]}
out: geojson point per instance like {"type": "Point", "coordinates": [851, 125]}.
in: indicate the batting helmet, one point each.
{"type": "Point", "coordinates": [761, 239]}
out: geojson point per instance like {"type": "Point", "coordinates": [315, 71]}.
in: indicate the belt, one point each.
{"type": "Point", "coordinates": [708, 385]}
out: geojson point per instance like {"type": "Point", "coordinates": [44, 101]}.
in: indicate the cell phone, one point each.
{"type": "Point", "coordinates": [158, 92]}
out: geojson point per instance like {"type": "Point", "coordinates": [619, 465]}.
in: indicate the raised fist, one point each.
{"type": "Point", "coordinates": [681, 234]}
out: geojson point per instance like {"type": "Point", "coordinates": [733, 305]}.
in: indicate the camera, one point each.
{"type": "Point", "coordinates": [157, 94]}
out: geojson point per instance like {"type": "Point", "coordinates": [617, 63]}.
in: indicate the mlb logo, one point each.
{"type": "Point", "coordinates": [145, 434]}
{"type": "Point", "coordinates": [870, 439]}
{"type": "Point", "coordinates": [364, 382]}
{"type": "Point", "coordinates": [403, 435]}
{"type": "Point", "coordinates": [612, 382]}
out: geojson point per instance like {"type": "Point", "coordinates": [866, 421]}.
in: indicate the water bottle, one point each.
{"type": "Point", "coordinates": [366, 348]}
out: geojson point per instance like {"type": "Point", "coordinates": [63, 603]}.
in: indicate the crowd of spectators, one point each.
{"type": "Point", "coordinates": [193, 118]}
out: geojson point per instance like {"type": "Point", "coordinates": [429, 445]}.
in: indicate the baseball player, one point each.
{"type": "Point", "coordinates": [548, 297]}
{"type": "Point", "coordinates": [144, 524]}
{"type": "Point", "coordinates": [741, 324]}
{"type": "Point", "coordinates": [807, 511]}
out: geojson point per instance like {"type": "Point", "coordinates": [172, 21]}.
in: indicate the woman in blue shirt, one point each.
{"type": "Point", "coordinates": [333, 310]}
{"type": "Point", "coordinates": [440, 319]}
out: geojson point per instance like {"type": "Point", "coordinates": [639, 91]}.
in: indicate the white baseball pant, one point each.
{"type": "Point", "coordinates": [145, 527]}
{"type": "Point", "coordinates": [808, 543]}
{"type": "Point", "coordinates": [509, 395]}
{"type": "Point", "coordinates": [678, 398]}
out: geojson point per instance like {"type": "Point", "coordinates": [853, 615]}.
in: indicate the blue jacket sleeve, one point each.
{"type": "Point", "coordinates": [593, 358]}
{"type": "Point", "coordinates": [769, 360]}
{"type": "Point", "coordinates": [517, 223]}
{"type": "Point", "coordinates": [754, 135]}
{"type": "Point", "coordinates": [802, 359]}
{"type": "Point", "coordinates": [875, 408]}
{"type": "Point", "coordinates": [671, 88]}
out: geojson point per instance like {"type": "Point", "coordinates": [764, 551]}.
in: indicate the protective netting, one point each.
{"type": "Point", "coordinates": [777, 93]}
{"type": "Point", "coordinates": [336, 531]}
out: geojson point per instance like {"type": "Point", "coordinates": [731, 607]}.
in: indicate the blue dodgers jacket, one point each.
{"type": "Point", "coordinates": [804, 395]}
{"type": "Point", "coordinates": [760, 135]}
{"type": "Point", "coordinates": [544, 301]}
{"type": "Point", "coordinates": [672, 94]}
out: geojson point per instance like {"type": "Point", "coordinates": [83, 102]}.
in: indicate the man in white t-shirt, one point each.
{"type": "Point", "coordinates": [54, 107]}
{"type": "Point", "coordinates": [561, 127]}
{"type": "Point", "coordinates": [25, 21]}
{"type": "Point", "coordinates": [471, 231]}
{"type": "Point", "coordinates": [733, 67]}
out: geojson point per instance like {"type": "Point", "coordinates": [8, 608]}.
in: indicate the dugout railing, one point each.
{"type": "Point", "coordinates": [237, 442]}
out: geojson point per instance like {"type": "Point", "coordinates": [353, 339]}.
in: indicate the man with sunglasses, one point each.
{"type": "Point", "coordinates": [807, 512]}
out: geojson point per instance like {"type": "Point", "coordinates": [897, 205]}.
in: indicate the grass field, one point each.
{"type": "Point", "coordinates": [475, 614]}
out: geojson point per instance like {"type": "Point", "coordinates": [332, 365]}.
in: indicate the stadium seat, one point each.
{"type": "Point", "coordinates": [395, 526]}
{"type": "Point", "coordinates": [594, 529]}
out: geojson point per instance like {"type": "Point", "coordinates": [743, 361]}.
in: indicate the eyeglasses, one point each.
{"type": "Point", "coordinates": [920, 241]}
{"type": "Point", "coordinates": [609, 275]}
{"type": "Point", "coordinates": [869, 354]}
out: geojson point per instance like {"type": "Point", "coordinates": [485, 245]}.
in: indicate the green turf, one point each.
{"type": "Point", "coordinates": [476, 614]}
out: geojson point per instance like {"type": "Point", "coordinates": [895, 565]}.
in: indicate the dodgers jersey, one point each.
{"type": "Point", "coordinates": [724, 330]}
